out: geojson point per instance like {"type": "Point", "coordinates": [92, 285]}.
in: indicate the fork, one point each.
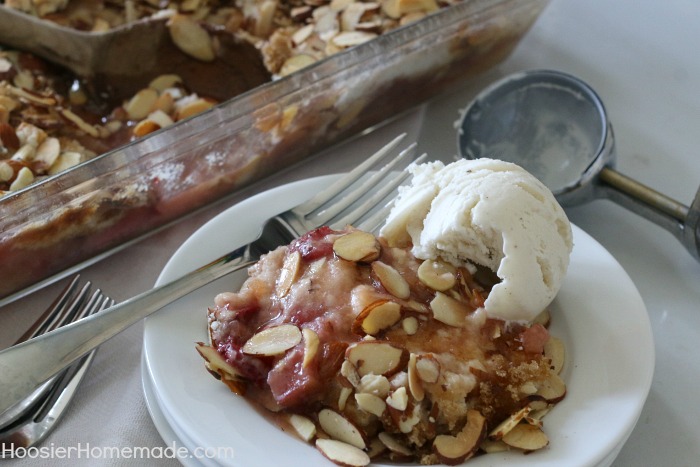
{"type": "Point", "coordinates": [347, 202]}
{"type": "Point", "coordinates": [30, 420]}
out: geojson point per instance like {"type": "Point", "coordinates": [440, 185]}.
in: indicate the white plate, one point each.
{"type": "Point", "coordinates": [163, 425]}
{"type": "Point", "coordinates": [598, 313]}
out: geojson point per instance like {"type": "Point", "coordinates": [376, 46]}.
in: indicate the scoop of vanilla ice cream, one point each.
{"type": "Point", "coordinates": [492, 213]}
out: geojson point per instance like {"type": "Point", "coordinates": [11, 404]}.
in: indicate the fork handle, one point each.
{"type": "Point", "coordinates": [26, 366]}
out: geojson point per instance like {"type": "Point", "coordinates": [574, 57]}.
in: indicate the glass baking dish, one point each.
{"type": "Point", "coordinates": [122, 195]}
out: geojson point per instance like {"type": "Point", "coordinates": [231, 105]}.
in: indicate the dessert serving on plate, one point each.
{"type": "Point", "coordinates": [425, 343]}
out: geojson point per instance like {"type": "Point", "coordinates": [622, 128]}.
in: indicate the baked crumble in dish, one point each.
{"type": "Point", "coordinates": [129, 190]}
{"type": "Point", "coordinates": [368, 352]}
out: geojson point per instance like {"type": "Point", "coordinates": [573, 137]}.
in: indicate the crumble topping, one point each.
{"type": "Point", "coordinates": [49, 124]}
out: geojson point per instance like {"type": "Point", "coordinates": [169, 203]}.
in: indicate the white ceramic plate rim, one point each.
{"type": "Point", "coordinates": [598, 312]}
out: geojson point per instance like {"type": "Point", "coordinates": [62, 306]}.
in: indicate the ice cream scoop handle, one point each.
{"type": "Point", "coordinates": [677, 218]}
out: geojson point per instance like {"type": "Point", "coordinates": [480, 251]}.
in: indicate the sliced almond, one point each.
{"type": "Point", "coordinates": [410, 419]}
{"type": "Point", "coordinates": [437, 275]}
{"type": "Point", "coordinates": [535, 416]}
{"type": "Point", "coordinates": [509, 423]}
{"type": "Point", "coordinates": [341, 429]}
{"type": "Point", "coordinates": [410, 325]}
{"type": "Point", "coordinates": [311, 343]}
{"type": "Point", "coordinates": [554, 350]}
{"type": "Point", "coordinates": [190, 37]}
{"type": "Point", "coordinates": [428, 369]}
{"type": "Point", "coordinates": [161, 118]}
{"type": "Point", "coordinates": [163, 82]}
{"type": "Point", "coordinates": [273, 341]}
{"type": "Point", "coordinates": [301, 13]}
{"type": "Point", "coordinates": [82, 125]}
{"type": "Point", "coordinates": [343, 397]}
{"type": "Point", "coordinates": [377, 385]}
{"type": "Point", "coordinates": [65, 161]}
{"type": "Point", "coordinates": [46, 154]}
{"type": "Point", "coordinates": [411, 17]}
{"type": "Point", "coordinates": [349, 371]}
{"type": "Point", "coordinates": [398, 399]}
{"type": "Point", "coordinates": [352, 38]}
{"type": "Point", "coordinates": [526, 437]}
{"type": "Point", "coordinates": [552, 390]}
{"type": "Point", "coordinates": [141, 104]}
{"type": "Point", "coordinates": [491, 447]}
{"type": "Point", "coordinates": [370, 403]}
{"type": "Point", "coordinates": [377, 357]}
{"type": "Point", "coordinates": [340, 5]}
{"type": "Point", "coordinates": [165, 103]}
{"type": "Point", "coordinates": [398, 8]}
{"type": "Point", "coordinates": [214, 359]}
{"type": "Point", "coordinates": [302, 426]}
{"type": "Point", "coordinates": [288, 273]}
{"type": "Point", "coordinates": [220, 368]}
{"type": "Point", "coordinates": [414, 382]}
{"type": "Point", "coordinates": [453, 450]}
{"type": "Point", "coordinates": [145, 127]}
{"type": "Point", "coordinates": [357, 246]}
{"type": "Point", "coordinates": [264, 22]}
{"type": "Point", "coordinates": [351, 16]}
{"type": "Point", "coordinates": [448, 310]}
{"type": "Point", "coordinates": [342, 454]}
{"type": "Point", "coordinates": [376, 448]}
{"type": "Point", "coordinates": [538, 405]}
{"type": "Point", "coordinates": [391, 280]}
{"type": "Point", "coordinates": [296, 63]}
{"type": "Point", "coordinates": [377, 317]}
{"type": "Point", "coordinates": [24, 178]}
{"type": "Point", "coordinates": [192, 108]}
{"type": "Point", "coordinates": [393, 444]}
{"type": "Point", "coordinates": [6, 171]}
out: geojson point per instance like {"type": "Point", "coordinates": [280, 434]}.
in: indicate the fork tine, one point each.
{"type": "Point", "coordinates": [351, 177]}
{"type": "Point", "coordinates": [68, 380]}
{"type": "Point", "coordinates": [352, 196]}
{"type": "Point", "coordinates": [68, 307]}
{"type": "Point", "coordinates": [376, 219]}
{"type": "Point", "coordinates": [367, 208]}
{"type": "Point", "coordinates": [49, 316]}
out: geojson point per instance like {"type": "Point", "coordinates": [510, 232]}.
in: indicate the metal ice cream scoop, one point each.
{"type": "Point", "coordinates": [555, 126]}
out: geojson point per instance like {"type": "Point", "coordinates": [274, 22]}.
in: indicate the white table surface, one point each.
{"type": "Point", "coordinates": [643, 58]}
